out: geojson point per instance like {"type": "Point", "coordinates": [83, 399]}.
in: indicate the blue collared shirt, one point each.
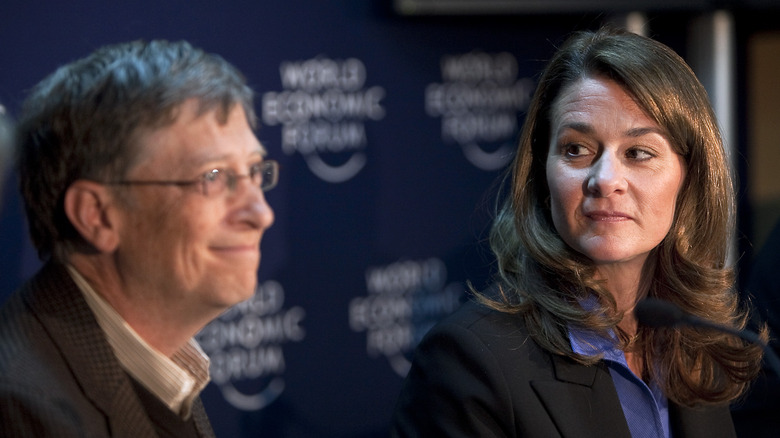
{"type": "Point", "coordinates": [645, 407]}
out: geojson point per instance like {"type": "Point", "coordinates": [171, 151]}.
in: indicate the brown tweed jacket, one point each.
{"type": "Point", "coordinates": [58, 374]}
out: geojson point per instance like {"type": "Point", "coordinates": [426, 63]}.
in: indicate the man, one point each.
{"type": "Point", "coordinates": [144, 189]}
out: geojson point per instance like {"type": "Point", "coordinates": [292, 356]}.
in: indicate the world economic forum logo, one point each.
{"type": "Point", "coordinates": [479, 102]}
{"type": "Point", "coordinates": [245, 347]}
{"type": "Point", "coordinates": [404, 300]}
{"type": "Point", "coordinates": [322, 111]}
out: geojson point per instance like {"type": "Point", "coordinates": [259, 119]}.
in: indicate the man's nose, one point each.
{"type": "Point", "coordinates": [254, 208]}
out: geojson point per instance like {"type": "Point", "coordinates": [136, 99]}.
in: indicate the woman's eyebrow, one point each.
{"type": "Point", "coordinates": [582, 127]}
{"type": "Point", "coordinates": [638, 132]}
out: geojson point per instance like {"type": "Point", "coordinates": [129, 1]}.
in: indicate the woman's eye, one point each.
{"type": "Point", "coordinates": [639, 154]}
{"type": "Point", "coordinates": [575, 150]}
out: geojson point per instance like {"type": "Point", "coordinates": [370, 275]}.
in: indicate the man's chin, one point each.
{"type": "Point", "coordinates": [228, 296]}
{"type": "Point", "coordinates": [247, 289]}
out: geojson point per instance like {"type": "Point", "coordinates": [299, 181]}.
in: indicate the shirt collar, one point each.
{"type": "Point", "coordinates": [176, 381]}
{"type": "Point", "coordinates": [590, 343]}
{"type": "Point", "coordinates": [640, 416]}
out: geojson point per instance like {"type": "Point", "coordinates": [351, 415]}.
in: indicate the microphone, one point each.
{"type": "Point", "coordinates": [653, 312]}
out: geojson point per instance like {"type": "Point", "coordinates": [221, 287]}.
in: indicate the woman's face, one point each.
{"type": "Point", "coordinates": [612, 173]}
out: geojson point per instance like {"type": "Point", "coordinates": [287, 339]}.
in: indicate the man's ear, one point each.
{"type": "Point", "coordinates": [87, 205]}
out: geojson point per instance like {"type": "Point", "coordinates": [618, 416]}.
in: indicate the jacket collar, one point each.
{"type": "Point", "coordinates": [582, 401]}
{"type": "Point", "coordinates": [60, 306]}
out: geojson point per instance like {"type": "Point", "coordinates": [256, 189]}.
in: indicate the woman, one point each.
{"type": "Point", "coordinates": [620, 190]}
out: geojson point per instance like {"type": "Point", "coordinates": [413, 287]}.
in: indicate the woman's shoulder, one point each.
{"type": "Point", "coordinates": [472, 315]}
{"type": "Point", "coordinates": [483, 343]}
{"type": "Point", "coordinates": [475, 324]}
{"type": "Point", "coordinates": [470, 376]}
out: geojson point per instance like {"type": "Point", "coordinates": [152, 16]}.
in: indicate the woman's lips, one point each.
{"type": "Point", "coordinates": [607, 216]}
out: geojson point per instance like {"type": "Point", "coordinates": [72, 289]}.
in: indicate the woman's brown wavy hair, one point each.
{"type": "Point", "coordinates": [542, 279]}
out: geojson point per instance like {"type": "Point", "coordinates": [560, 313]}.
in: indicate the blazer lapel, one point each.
{"type": "Point", "coordinates": [582, 401]}
{"type": "Point", "coordinates": [62, 310]}
{"type": "Point", "coordinates": [201, 419]}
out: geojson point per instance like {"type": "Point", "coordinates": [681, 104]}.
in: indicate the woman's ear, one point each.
{"type": "Point", "coordinates": [87, 205]}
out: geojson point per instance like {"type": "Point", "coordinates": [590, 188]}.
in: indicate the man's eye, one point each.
{"type": "Point", "coordinates": [212, 175]}
{"type": "Point", "coordinates": [256, 169]}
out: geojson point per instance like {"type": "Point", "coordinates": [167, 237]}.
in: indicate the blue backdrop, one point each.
{"type": "Point", "coordinates": [391, 131]}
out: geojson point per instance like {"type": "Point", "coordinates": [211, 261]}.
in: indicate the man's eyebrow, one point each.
{"type": "Point", "coordinates": [204, 158]}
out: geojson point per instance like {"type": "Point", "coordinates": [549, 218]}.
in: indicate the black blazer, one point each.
{"type": "Point", "coordinates": [478, 374]}
{"type": "Point", "coordinates": [58, 374]}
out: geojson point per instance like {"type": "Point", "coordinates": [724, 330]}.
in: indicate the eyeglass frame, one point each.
{"type": "Point", "coordinates": [230, 183]}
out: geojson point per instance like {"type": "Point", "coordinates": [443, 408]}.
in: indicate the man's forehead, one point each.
{"type": "Point", "coordinates": [195, 138]}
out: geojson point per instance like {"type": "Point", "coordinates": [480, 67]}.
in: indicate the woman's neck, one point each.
{"type": "Point", "coordinates": [628, 283]}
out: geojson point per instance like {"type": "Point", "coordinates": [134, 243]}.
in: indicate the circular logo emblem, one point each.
{"type": "Point", "coordinates": [322, 111]}
{"type": "Point", "coordinates": [245, 346]}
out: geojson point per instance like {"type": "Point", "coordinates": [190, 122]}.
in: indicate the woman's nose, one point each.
{"type": "Point", "coordinates": [606, 176]}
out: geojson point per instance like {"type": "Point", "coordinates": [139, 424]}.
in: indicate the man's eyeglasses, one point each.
{"type": "Point", "coordinates": [264, 175]}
